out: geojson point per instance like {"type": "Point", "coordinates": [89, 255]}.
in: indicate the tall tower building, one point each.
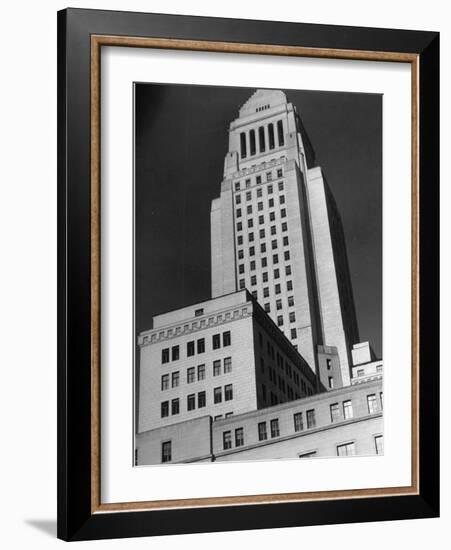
{"type": "Point", "coordinates": [276, 230]}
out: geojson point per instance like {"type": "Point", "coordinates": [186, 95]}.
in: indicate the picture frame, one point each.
{"type": "Point", "coordinates": [81, 36]}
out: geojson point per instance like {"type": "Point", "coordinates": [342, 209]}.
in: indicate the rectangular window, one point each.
{"type": "Point", "coordinates": [165, 355]}
{"type": "Point", "coordinates": [262, 233]}
{"type": "Point", "coordinates": [266, 292]}
{"type": "Point", "coordinates": [201, 399]}
{"type": "Point", "coordinates": [275, 259]}
{"type": "Point", "coordinates": [255, 294]}
{"type": "Point", "coordinates": [347, 408]}
{"type": "Point", "coordinates": [247, 182]}
{"type": "Point", "coordinates": [283, 213]}
{"type": "Point", "coordinates": [190, 349]}
{"type": "Point", "coordinates": [277, 289]}
{"type": "Point", "coordinates": [258, 180]}
{"type": "Point", "coordinates": [217, 395]}
{"type": "Point", "coordinates": [274, 244]}
{"type": "Point", "coordinates": [260, 206]}
{"type": "Point", "coordinates": [311, 420]}
{"type": "Point", "coordinates": [265, 276]}
{"type": "Point", "coordinates": [227, 365]}
{"type": "Point", "coordinates": [252, 265]}
{"type": "Point", "coordinates": [239, 437]}
{"type": "Point", "coordinates": [334, 412]}
{"type": "Point", "coordinates": [261, 139]}
{"type": "Point", "coordinates": [166, 451]}
{"type": "Point", "coordinates": [175, 353]}
{"type": "Point", "coordinates": [242, 284]}
{"type": "Point", "coordinates": [240, 240]}
{"type": "Point", "coordinates": [331, 382]}
{"type": "Point", "coordinates": [190, 375]}
{"type": "Point", "coordinates": [347, 449]}
{"type": "Point", "coordinates": [240, 270]}
{"type": "Point", "coordinates": [278, 304]}
{"type": "Point", "coordinates": [284, 226]}
{"type": "Point", "coordinates": [248, 195]}
{"type": "Point", "coordinates": [201, 345]}
{"type": "Point", "coordinates": [252, 143]}
{"type": "Point", "coordinates": [239, 226]}
{"type": "Point", "coordinates": [264, 392]}
{"type": "Point", "coordinates": [280, 135]}
{"type": "Point", "coordinates": [262, 433]}
{"type": "Point", "coordinates": [263, 248]}
{"type": "Point", "coordinates": [164, 409]}
{"type": "Point", "coordinates": [261, 219]}
{"type": "Point", "coordinates": [291, 301]}
{"type": "Point", "coordinates": [273, 230]}
{"type": "Point", "coordinates": [253, 280]}
{"type": "Point", "coordinates": [175, 406]}
{"type": "Point", "coordinates": [238, 212]}
{"type": "Point", "coordinates": [175, 379]}
{"type": "Point", "coordinates": [275, 432]}
{"type": "Point", "coordinates": [228, 415]}
{"type": "Point", "coordinates": [272, 216]}
{"type": "Point", "coordinates": [227, 440]}
{"type": "Point", "coordinates": [286, 255]}
{"type": "Point", "coordinates": [237, 186]}
{"type": "Point", "coordinates": [226, 338]}
{"type": "Point", "coordinates": [289, 285]}
{"type": "Point", "coordinates": [276, 274]}
{"type": "Point", "coordinates": [285, 241]}
{"type": "Point", "coordinates": [292, 316]}
{"type": "Point", "coordinates": [279, 320]}
{"type": "Point", "coordinates": [298, 422]}
{"type": "Point", "coordinates": [264, 262]}
{"type": "Point", "coordinates": [217, 367]}
{"type": "Point", "coordinates": [288, 270]}
{"type": "Point", "coordinates": [269, 178]}
{"type": "Point", "coordinates": [252, 251]}
{"type": "Point", "coordinates": [165, 382]}
{"type": "Point", "coordinates": [267, 307]}
{"type": "Point", "coordinates": [243, 148]}
{"type": "Point", "coordinates": [279, 175]}
{"type": "Point", "coordinates": [228, 392]}
{"type": "Point", "coordinates": [282, 199]}
{"type": "Point", "coordinates": [271, 136]}
{"type": "Point", "coordinates": [259, 191]}
{"type": "Point", "coordinates": [191, 402]}
{"type": "Point", "coordinates": [293, 333]}
{"type": "Point", "coordinates": [271, 203]}
{"type": "Point", "coordinates": [372, 404]}
{"type": "Point", "coordinates": [379, 444]}
{"type": "Point", "coordinates": [238, 199]}
{"type": "Point", "coordinates": [249, 209]}
{"type": "Point", "coordinates": [201, 372]}
{"type": "Point", "coordinates": [216, 340]}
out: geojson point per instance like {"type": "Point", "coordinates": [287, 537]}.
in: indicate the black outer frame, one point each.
{"type": "Point", "coordinates": [75, 520]}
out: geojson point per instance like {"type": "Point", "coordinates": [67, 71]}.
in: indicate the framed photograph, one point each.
{"type": "Point", "coordinates": [248, 274]}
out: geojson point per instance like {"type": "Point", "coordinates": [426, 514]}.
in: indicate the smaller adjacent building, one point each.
{"type": "Point", "coordinates": [221, 357]}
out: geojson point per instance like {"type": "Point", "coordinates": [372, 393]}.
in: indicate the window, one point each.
{"type": "Point", "coordinates": [242, 284]}
{"type": "Point", "coordinates": [238, 212]}
{"type": "Point", "coordinates": [201, 372]}
{"type": "Point", "coordinates": [241, 271]}
{"type": "Point", "coordinates": [264, 262]}
{"type": "Point", "coordinates": [217, 367]}
{"type": "Point", "coordinates": [243, 146]}
{"type": "Point", "coordinates": [261, 219]}
{"type": "Point", "coordinates": [279, 320]}
{"type": "Point", "coordinates": [252, 265]}
{"type": "Point", "coordinates": [265, 276]}
{"type": "Point", "coordinates": [190, 375]}
{"type": "Point", "coordinates": [285, 241]}
{"type": "Point", "coordinates": [311, 420]}
{"type": "Point", "coordinates": [175, 379]}
{"type": "Point", "coordinates": [164, 409]}
{"type": "Point", "coordinates": [291, 301]}
{"type": "Point", "coordinates": [239, 437]}
{"type": "Point", "coordinates": [272, 216]}
{"type": "Point", "coordinates": [226, 338]}
{"type": "Point", "coordinates": [165, 382]}
{"type": "Point", "coordinates": [191, 402]}
{"type": "Point", "coordinates": [372, 404]}
{"type": "Point", "coordinates": [263, 248]}
{"type": "Point", "coordinates": [282, 199]}
{"type": "Point", "coordinates": [286, 255]}
{"type": "Point", "coordinates": [252, 142]}
{"type": "Point", "coordinates": [238, 199]}
{"type": "Point", "coordinates": [201, 345]}
{"type": "Point", "coordinates": [165, 355]}
{"type": "Point", "coordinates": [331, 382]}
{"type": "Point", "coordinates": [279, 175]}
{"type": "Point", "coordinates": [275, 259]}
{"type": "Point", "coordinates": [228, 392]}
{"type": "Point", "coordinates": [329, 363]}
{"type": "Point", "coordinates": [252, 251]}
{"type": "Point", "coordinates": [347, 409]}
{"type": "Point", "coordinates": [217, 395]}
{"type": "Point", "coordinates": [227, 440]}
{"type": "Point", "coordinates": [253, 280]}
{"type": "Point", "coordinates": [166, 451]}
{"type": "Point", "coordinates": [228, 415]}
{"type": "Point", "coordinates": [334, 412]}
{"type": "Point", "coordinates": [240, 240]}
{"type": "Point", "coordinates": [262, 233]}
{"type": "Point", "coordinates": [271, 136]}
{"type": "Point", "coordinates": [266, 292]}
{"type": "Point", "coordinates": [175, 406]}
{"type": "Point", "coordinates": [262, 433]}
{"type": "Point", "coordinates": [289, 285]}
{"type": "Point", "coordinates": [248, 195]}
{"type": "Point", "coordinates": [217, 337]}
{"type": "Point", "coordinates": [277, 289]}
{"type": "Point", "coordinates": [247, 183]}
{"type": "Point", "coordinates": [259, 191]}
{"type": "Point", "coordinates": [175, 353]}
{"type": "Point", "coordinates": [381, 395]}
{"type": "Point", "coordinates": [273, 230]}
{"type": "Point", "coordinates": [309, 454]}
{"type": "Point", "coordinates": [280, 136]}
{"type": "Point", "coordinates": [249, 209]}
{"type": "Point", "coordinates": [261, 139]}
{"type": "Point", "coordinates": [227, 365]}
{"type": "Point", "coordinates": [250, 223]}
{"type": "Point", "coordinates": [267, 307]}
{"type": "Point", "coordinates": [258, 180]}
{"type": "Point", "coordinates": [255, 294]}
{"type": "Point", "coordinates": [269, 178]}
{"type": "Point", "coordinates": [347, 449]}
{"type": "Point", "coordinates": [276, 274]}
{"type": "Point", "coordinates": [190, 349]}
{"type": "Point", "coordinates": [379, 444]}
{"type": "Point", "coordinates": [218, 417]}
{"type": "Point", "coordinates": [260, 205]}
{"type": "Point", "coordinates": [239, 226]}
{"type": "Point", "coordinates": [237, 186]}
{"type": "Point", "coordinates": [201, 399]}
{"type": "Point", "coordinates": [284, 226]}
{"type": "Point", "coordinates": [271, 203]}
{"type": "Point", "coordinates": [274, 244]}
{"type": "Point", "coordinates": [292, 316]}
{"type": "Point", "coordinates": [298, 422]}
{"type": "Point", "coordinates": [275, 432]}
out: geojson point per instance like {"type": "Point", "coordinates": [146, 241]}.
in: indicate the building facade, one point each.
{"type": "Point", "coordinates": [271, 366]}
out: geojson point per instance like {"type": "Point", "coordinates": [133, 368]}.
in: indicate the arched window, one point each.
{"type": "Point", "coordinates": [252, 142]}
{"type": "Point", "coordinates": [261, 139]}
{"type": "Point", "coordinates": [243, 145]}
{"type": "Point", "coordinates": [271, 135]}
{"type": "Point", "coordinates": [280, 135]}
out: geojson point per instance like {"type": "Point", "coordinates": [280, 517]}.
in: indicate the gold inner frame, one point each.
{"type": "Point", "coordinates": [97, 41]}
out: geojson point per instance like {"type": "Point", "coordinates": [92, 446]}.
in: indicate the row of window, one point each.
{"type": "Point", "coordinates": [264, 136]}
{"type": "Point", "coordinates": [219, 393]}
{"type": "Point", "coordinates": [173, 354]}
{"type": "Point", "coordinates": [265, 278]}
{"type": "Point", "coordinates": [258, 179]}
{"type": "Point", "coordinates": [249, 195]}
{"type": "Point", "coordinates": [261, 221]}
{"type": "Point", "coordinates": [263, 246]}
{"type": "Point", "coordinates": [262, 235]}
{"type": "Point", "coordinates": [173, 380]}
{"type": "Point", "coordinates": [344, 449]}
{"type": "Point", "coordinates": [249, 210]}
{"type": "Point", "coordinates": [277, 287]}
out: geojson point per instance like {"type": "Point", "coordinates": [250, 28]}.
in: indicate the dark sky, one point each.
{"type": "Point", "coordinates": [181, 141]}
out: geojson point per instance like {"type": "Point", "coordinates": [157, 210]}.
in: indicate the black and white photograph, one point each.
{"type": "Point", "coordinates": [258, 274]}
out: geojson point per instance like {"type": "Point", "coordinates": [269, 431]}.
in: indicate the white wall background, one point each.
{"type": "Point", "coordinates": [28, 269]}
